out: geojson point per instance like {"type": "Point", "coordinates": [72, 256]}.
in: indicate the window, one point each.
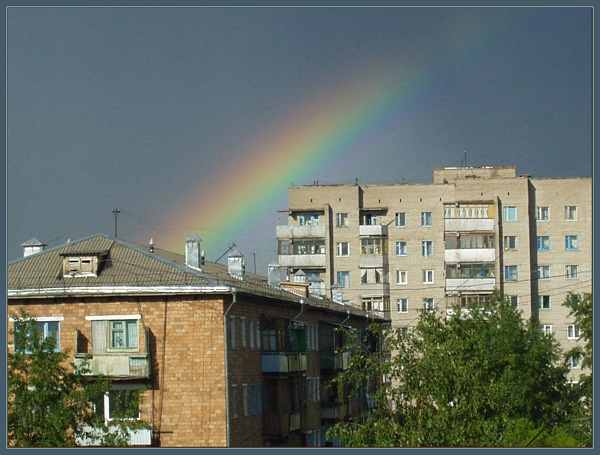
{"type": "Point", "coordinates": [343, 279]}
{"type": "Point", "coordinates": [402, 277]}
{"type": "Point", "coordinates": [232, 325]}
{"type": "Point", "coordinates": [372, 276]}
{"type": "Point", "coordinates": [468, 240]}
{"type": "Point", "coordinates": [400, 248]}
{"type": "Point", "coordinates": [119, 403]}
{"type": "Point", "coordinates": [571, 213]}
{"type": "Point", "coordinates": [510, 242]}
{"type": "Point", "coordinates": [547, 329]}
{"type": "Point", "coordinates": [511, 273]}
{"type": "Point", "coordinates": [369, 219]}
{"type": "Point", "coordinates": [574, 361]}
{"type": "Point", "coordinates": [400, 220]}
{"type": "Point", "coordinates": [543, 243]}
{"type": "Point", "coordinates": [543, 213]}
{"type": "Point", "coordinates": [572, 272]}
{"type": "Point", "coordinates": [571, 242]}
{"type": "Point", "coordinates": [545, 302]}
{"type": "Point", "coordinates": [341, 219]}
{"type": "Point", "coordinates": [427, 276]}
{"type": "Point", "coordinates": [251, 330]}
{"type": "Point", "coordinates": [308, 247]}
{"type": "Point", "coordinates": [309, 219]}
{"type": "Point", "coordinates": [427, 248]}
{"type": "Point", "coordinates": [402, 305]}
{"type": "Point", "coordinates": [404, 331]}
{"type": "Point", "coordinates": [234, 400]}
{"type": "Point", "coordinates": [253, 398]}
{"type": "Point", "coordinates": [375, 304]}
{"type": "Point", "coordinates": [243, 330]}
{"type": "Point", "coordinates": [573, 332]}
{"type": "Point", "coordinates": [429, 305]}
{"type": "Point", "coordinates": [426, 219]}
{"type": "Point", "coordinates": [510, 214]}
{"type": "Point", "coordinates": [284, 247]}
{"type": "Point", "coordinates": [343, 249]}
{"type": "Point", "coordinates": [543, 272]}
{"type": "Point", "coordinates": [245, 399]}
{"type": "Point", "coordinates": [372, 246]}
{"type": "Point", "coordinates": [514, 300]}
{"type": "Point", "coordinates": [470, 270]}
{"type": "Point", "coordinates": [47, 327]}
{"type": "Point", "coordinates": [124, 334]}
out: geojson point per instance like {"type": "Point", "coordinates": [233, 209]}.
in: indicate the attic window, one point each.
{"type": "Point", "coordinates": [85, 265]}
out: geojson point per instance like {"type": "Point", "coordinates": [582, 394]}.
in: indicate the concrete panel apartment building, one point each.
{"type": "Point", "coordinates": [395, 249]}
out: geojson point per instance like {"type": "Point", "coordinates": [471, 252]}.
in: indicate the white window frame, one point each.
{"type": "Point", "coordinates": [570, 213]}
{"type": "Point", "coordinates": [541, 302]}
{"type": "Point", "coordinates": [107, 401]}
{"type": "Point", "coordinates": [427, 248]}
{"type": "Point", "coordinates": [574, 362]}
{"type": "Point", "coordinates": [402, 277]}
{"type": "Point", "coordinates": [543, 213]}
{"type": "Point", "coordinates": [341, 246]}
{"type": "Point", "coordinates": [514, 276]}
{"type": "Point", "coordinates": [426, 219]}
{"type": "Point", "coordinates": [401, 249]}
{"type": "Point", "coordinates": [572, 272]}
{"type": "Point", "coordinates": [429, 304]}
{"type": "Point", "coordinates": [573, 332]}
{"type": "Point", "coordinates": [428, 276]}
{"type": "Point", "coordinates": [402, 306]}
{"type": "Point", "coordinates": [400, 220]}
{"type": "Point", "coordinates": [543, 272]}
{"type": "Point", "coordinates": [341, 219]}
{"type": "Point", "coordinates": [44, 319]}
{"type": "Point", "coordinates": [547, 329]}
{"type": "Point", "coordinates": [508, 240]}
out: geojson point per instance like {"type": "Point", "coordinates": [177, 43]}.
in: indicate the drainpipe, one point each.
{"type": "Point", "coordinates": [347, 317]}
{"type": "Point", "coordinates": [302, 302]}
{"type": "Point", "coordinates": [233, 302]}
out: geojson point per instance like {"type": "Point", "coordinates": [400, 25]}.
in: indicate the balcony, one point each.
{"type": "Point", "coordinates": [377, 230]}
{"type": "Point", "coordinates": [470, 255]}
{"type": "Point", "coordinates": [138, 437]}
{"type": "Point", "coordinates": [283, 363]}
{"type": "Point", "coordinates": [117, 365]}
{"type": "Point", "coordinates": [469, 224]}
{"type": "Point", "coordinates": [333, 410]}
{"type": "Point", "coordinates": [302, 260]}
{"type": "Point", "coordinates": [300, 232]}
{"type": "Point", "coordinates": [470, 284]}
{"type": "Point", "coordinates": [336, 361]}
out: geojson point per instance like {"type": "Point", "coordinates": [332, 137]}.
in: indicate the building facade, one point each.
{"type": "Point", "coordinates": [396, 249]}
{"type": "Point", "coordinates": [225, 358]}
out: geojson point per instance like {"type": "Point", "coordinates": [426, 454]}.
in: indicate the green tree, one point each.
{"type": "Point", "coordinates": [456, 381]}
{"type": "Point", "coordinates": [51, 405]}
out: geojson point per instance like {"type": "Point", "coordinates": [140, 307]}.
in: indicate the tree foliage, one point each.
{"type": "Point", "coordinates": [463, 380]}
{"type": "Point", "coordinates": [51, 404]}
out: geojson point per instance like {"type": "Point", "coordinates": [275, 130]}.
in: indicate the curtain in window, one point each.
{"type": "Point", "coordinates": [132, 334]}
{"type": "Point", "coordinates": [99, 337]}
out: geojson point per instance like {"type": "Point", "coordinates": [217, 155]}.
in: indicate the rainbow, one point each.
{"type": "Point", "coordinates": [339, 124]}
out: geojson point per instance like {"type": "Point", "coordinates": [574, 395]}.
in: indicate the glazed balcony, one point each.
{"type": "Point", "coordinates": [302, 260]}
{"type": "Point", "coordinates": [115, 365]}
{"type": "Point", "coordinates": [470, 255]}
{"type": "Point", "coordinates": [276, 362]}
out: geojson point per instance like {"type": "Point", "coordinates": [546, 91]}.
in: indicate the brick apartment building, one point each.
{"type": "Point", "coordinates": [395, 249]}
{"type": "Point", "coordinates": [227, 358]}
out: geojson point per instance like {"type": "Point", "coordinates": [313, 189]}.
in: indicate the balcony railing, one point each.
{"type": "Point", "coordinates": [283, 362]}
{"type": "Point", "coordinates": [300, 232]}
{"type": "Point", "coordinates": [302, 260]}
{"type": "Point", "coordinates": [137, 437]}
{"type": "Point", "coordinates": [376, 230]}
{"type": "Point", "coordinates": [336, 361]}
{"type": "Point", "coordinates": [470, 255]}
{"type": "Point", "coordinates": [115, 365]}
{"type": "Point", "coordinates": [470, 284]}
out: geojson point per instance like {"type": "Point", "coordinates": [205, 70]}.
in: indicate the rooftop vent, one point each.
{"type": "Point", "coordinates": [32, 246]}
{"type": "Point", "coordinates": [276, 274]}
{"type": "Point", "coordinates": [194, 255]}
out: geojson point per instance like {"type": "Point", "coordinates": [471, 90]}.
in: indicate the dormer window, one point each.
{"type": "Point", "coordinates": [82, 265]}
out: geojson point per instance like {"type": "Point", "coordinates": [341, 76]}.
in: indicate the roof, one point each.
{"type": "Point", "coordinates": [132, 268]}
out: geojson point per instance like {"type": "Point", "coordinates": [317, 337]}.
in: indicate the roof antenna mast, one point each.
{"type": "Point", "coordinates": [465, 157]}
{"type": "Point", "coordinates": [116, 212]}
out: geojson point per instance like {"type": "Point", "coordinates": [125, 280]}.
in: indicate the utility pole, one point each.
{"type": "Point", "coordinates": [116, 212]}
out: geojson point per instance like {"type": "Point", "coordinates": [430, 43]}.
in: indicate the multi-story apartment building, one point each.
{"type": "Point", "coordinates": [397, 249]}
{"type": "Point", "coordinates": [226, 358]}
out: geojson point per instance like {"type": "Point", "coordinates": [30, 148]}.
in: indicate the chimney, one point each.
{"type": "Point", "coordinates": [194, 256]}
{"type": "Point", "coordinates": [235, 264]}
{"type": "Point", "coordinates": [32, 246]}
{"type": "Point", "coordinates": [151, 244]}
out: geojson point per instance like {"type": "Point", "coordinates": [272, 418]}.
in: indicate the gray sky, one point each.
{"type": "Point", "coordinates": [151, 109]}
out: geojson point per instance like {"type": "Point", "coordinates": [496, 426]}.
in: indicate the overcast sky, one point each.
{"type": "Point", "coordinates": [144, 109]}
